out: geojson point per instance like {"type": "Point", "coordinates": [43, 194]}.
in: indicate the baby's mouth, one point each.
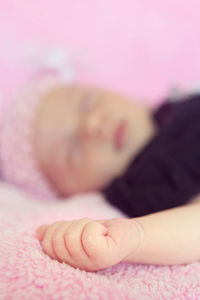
{"type": "Point", "coordinates": [119, 135]}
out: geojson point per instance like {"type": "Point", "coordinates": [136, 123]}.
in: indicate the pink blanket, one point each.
{"type": "Point", "coordinates": [138, 47]}
{"type": "Point", "coordinates": [27, 273]}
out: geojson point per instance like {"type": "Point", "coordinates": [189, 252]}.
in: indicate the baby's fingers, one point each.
{"type": "Point", "coordinates": [41, 231]}
{"type": "Point", "coordinates": [47, 240]}
{"type": "Point", "coordinates": [94, 239]}
{"type": "Point", "coordinates": [102, 248]}
{"type": "Point", "coordinates": [67, 243]}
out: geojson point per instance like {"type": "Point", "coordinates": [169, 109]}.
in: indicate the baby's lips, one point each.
{"type": "Point", "coordinates": [41, 231]}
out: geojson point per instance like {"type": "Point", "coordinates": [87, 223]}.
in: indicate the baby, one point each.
{"type": "Point", "coordinates": [85, 139]}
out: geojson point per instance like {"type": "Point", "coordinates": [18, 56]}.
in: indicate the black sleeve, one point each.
{"type": "Point", "coordinates": [166, 173]}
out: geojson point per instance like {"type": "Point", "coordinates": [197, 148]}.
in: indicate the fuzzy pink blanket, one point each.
{"type": "Point", "coordinates": [138, 47]}
{"type": "Point", "coordinates": [27, 273]}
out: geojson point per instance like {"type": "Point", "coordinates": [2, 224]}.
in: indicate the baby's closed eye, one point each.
{"type": "Point", "coordinates": [88, 102]}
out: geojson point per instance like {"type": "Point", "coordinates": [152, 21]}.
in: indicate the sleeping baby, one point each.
{"type": "Point", "coordinates": [63, 139]}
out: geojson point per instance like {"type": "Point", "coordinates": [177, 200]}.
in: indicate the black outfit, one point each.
{"type": "Point", "coordinates": [166, 173]}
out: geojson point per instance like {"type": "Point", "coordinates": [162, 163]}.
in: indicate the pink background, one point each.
{"type": "Point", "coordinates": [138, 47]}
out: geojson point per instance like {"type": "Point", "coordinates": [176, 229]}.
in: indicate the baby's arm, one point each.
{"type": "Point", "coordinates": [169, 237]}
{"type": "Point", "coordinates": [89, 244]}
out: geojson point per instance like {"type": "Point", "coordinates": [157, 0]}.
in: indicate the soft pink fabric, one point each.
{"type": "Point", "coordinates": [27, 273]}
{"type": "Point", "coordinates": [18, 162]}
{"type": "Point", "coordinates": [138, 47]}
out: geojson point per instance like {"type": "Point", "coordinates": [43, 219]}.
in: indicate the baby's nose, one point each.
{"type": "Point", "coordinates": [95, 127]}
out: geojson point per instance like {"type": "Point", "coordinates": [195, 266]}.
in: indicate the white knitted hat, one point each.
{"type": "Point", "coordinates": [18, 163]}
{"type": "Point", "coordinates": [17, 158]}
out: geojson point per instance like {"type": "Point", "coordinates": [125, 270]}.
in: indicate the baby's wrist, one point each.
{"type": "Point", "coordinates": [136, 241]}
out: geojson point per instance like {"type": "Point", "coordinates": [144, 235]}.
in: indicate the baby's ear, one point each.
{"type": "Point", "coordinates": [41, 231]}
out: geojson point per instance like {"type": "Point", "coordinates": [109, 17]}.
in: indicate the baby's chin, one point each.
{"type": "Point", "coordinates": [73, 187]}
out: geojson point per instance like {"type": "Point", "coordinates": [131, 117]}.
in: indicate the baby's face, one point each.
{"type": "Point", "coordinates": [84, 137]}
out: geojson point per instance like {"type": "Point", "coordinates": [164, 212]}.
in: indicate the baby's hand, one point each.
{"type": "Point", "coordinates": [89, 244]}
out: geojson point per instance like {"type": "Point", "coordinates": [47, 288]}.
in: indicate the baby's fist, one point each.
{"type": "Point", "coordinates": [87, 244]}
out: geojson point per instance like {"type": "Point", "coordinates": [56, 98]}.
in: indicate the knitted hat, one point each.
{"type": "Point", "coordinates": [18, 161]}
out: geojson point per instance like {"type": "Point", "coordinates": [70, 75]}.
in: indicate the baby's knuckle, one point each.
{"type": "Point", "coordinates": [90, 246]}
{"type": "Point", "coordinates": [56, 240]}
{"type": "Point", "coordinates": [70, 244]}
{"type": "Point", "coordinates": [85, 219]}
{"type": "Point", "coordinates": [88, 239]}
{"type": "Point", "coordinates": [69, 233]}
{"type": "Point", "coordinates": [58, 249]}
{"type": "Point", "coordinates": [70, 238]}
{"type": "Point", "coordinates": [90, 226]}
